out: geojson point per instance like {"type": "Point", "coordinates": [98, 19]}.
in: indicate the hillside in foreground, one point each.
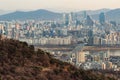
{"type": "Point", "coordinates": [19, 61]}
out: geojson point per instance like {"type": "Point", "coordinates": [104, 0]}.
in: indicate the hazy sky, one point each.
{"type": "Point", "coordinates": [59, 5]}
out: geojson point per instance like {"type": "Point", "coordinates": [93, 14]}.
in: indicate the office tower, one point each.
{"type": "Point", "coordinates": [66, 19]}
{"type": "Point", "coordinates": [96, 58]}
{"type": "Point", "coordinates": [96, 40]}
{"type": "Point", "coordinates": [17, 31]}
{"type": "Point", "coordinates": [81, 57]}
{"type": "Point", "coordinates": [89, 21]}
{"type": "Point", "coordinates": [109, 65]}
{"type": "Point", "coordinates": [90, 37]}
{"type": "Point", "coordinates": [1, 29]}
{"type": "Point", "coordinates": [102, 18]}
{"type": "Point", "coordinates": [84, 14]}
{"type": "Point", "coordinates": [107, 55]}
{"type": "Point", "coordinates": [103, 66]}
{"type": "Point", "coordinates": [71, 17]}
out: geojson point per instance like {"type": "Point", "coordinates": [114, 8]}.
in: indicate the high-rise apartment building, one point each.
{"type": "Point", "coordinates": [102, 18]}
{"type": "Point", "coordinates": [81, 57]}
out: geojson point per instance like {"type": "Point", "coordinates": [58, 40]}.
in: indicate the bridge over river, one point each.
{"type": "Point", "coordinates": [66, 48]}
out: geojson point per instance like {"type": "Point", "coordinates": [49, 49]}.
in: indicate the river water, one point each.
{"type": "Point", "coordinates": [111, 52]}
{"type": "Point", "coordinates": [115, 52]}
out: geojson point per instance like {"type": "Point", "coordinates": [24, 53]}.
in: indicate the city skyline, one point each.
{"type": "Point", "coordinates": [64, 5]}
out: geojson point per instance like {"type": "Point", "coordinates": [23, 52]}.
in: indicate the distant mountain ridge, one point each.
{"type": "Point", "coordinates": [3, 12]}
{"type": "Point", "coordinates": [114, 15]}
{"type": "Point", "coordinates": [92, 12]}
{"type": "Point", "coordinates": [38, 14]}
{"type": "Point", "coordinates": [111, 15]}
{"type": "Point", "coordinates": [41, 14]}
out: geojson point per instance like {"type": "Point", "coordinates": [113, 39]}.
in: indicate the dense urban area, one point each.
{"type": "Point", "coordinates": [70, 32]}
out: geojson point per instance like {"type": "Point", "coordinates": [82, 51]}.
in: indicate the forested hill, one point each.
{"type": "Point", "coordinates": [19, 61]}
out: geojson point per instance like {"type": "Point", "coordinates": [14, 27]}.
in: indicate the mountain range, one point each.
{"type": "Point", "coordinates": [41, 14]}
{"type": "Point", "coordinates": [37, 14]}
{"type": "Point", "coordinates": [3, 12]}
{"type": "Point", "coordinates": [111, 15]}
